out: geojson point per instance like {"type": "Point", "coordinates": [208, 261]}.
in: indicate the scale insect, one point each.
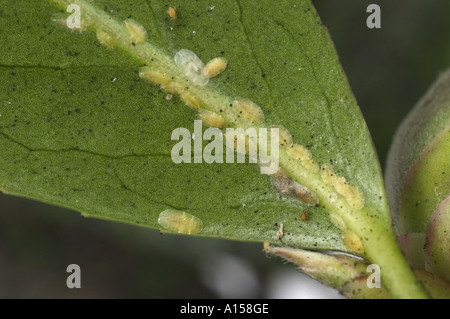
{"type": "Point", "coordinates": [266, 246]}
{"type": "Point", "coordinates": [136, 31]}
{"type": "Point", "coordinates": [304, 216]}
{"type": "Point", "coordinates": [212, 119]}
{"type": "Point", "coordinates": [190, 100]}
{"type": "Point", "coordinates": [214, 67]}
{"type": "Point", "coordinates": [105, 39]}
{"type": "Point", "coordinates": [338, 222]}
{"type": "Point", "coordinates": [153, 76]}
{"type": "Point", "coordinates": [249, 110]}
{"type": "Point", "coordinates": [351, 194]}
{"type": "Point", "coordinates": [327, 174]}
{"type": "Point", "coordinates": [172, 13]}
{"type": "Point", "coordinates": [284, 137]}
{"type": "Point", "coordinates": [352, 241]}
{"type": "Point", "coordinates": [180, 222]}
{"type": "Point", "coordinates": [285, 185]}
{"type": "Point", "coordinates": [304, 194]}
{"type": "Point", "coordinates": [301, 153]}
{"type": "Point", "coordinates": [173, 87]}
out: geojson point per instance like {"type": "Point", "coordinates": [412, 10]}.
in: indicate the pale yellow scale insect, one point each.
{"type": "Point", "coordinates": [214, 67]}
{"type": "Point", "coordinates": [180, 222]}
{"type": "Point", "coordinates": [355, 198]}
{"type": "Point", "coordinates": [352, 241]}
{"type": "Point", "coordinates": [301, 153]}
{"type": "Point", "coordinates": [284, 137]}
{"type": "Point", "coordinates": [173, 87]}
{"type": "Point", "coordinates": [249, 110]}
{"type": "Point", "coordinates": [212, 119]}
{"type": "Point", "coordinates": [351, 194]}
{"type": "Point", "coordinates": [136, 31]}
{"type": "Point", "coordinates": [338, 221]}
{"type": "Point", "coordinates": [190, 100]}
{"type": "Point", "coordinates": [153, 76]}
{"type": "Point", "coordinates": [105, 39]}
{"type": "Point", "coordinates": [311, 165]}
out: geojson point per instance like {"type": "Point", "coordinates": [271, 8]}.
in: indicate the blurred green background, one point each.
{"type": "Point", "coordinates": [389, 69]}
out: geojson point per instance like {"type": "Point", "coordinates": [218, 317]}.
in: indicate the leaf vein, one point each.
{"type": "Point", "coordinates": [76, 149]}
{"type": "Point", "coordinates": [251, 48]}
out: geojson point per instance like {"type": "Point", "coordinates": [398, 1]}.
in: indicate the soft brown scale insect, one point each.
{"type": "Point", "coordinates": [304, 194]}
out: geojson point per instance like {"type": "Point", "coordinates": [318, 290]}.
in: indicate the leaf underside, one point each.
{"type": "Point", "coordinates": [80, 129]}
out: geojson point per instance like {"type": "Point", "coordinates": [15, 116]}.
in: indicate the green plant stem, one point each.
{"type": "Point", "coordinates": [378, 238]}
{"type": "Point", "coordinates": [382, 249]}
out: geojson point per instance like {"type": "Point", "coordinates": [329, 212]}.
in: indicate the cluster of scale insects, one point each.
{"type": "Point", "coordinates": [199, 74]}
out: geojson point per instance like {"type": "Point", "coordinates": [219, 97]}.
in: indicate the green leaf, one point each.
{"type": "Point", "coordinates": [80, 129]}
